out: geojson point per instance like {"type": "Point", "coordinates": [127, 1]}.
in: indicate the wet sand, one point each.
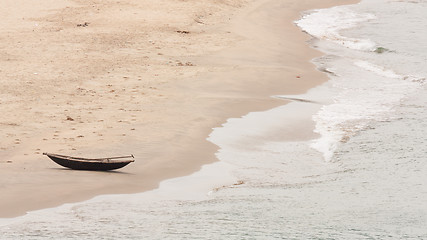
{"type": "Point", "coordinates": [99, 79]}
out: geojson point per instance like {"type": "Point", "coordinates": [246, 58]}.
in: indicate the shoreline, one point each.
{"type": "Point", "coordinates": [206, 89]}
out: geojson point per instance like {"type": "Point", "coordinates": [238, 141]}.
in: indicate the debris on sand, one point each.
{"type": "Point", "coordinates": [85, 24]}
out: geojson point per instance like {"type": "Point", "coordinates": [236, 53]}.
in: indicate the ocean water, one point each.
{"type": "Point", "coordinates": [363, 178]}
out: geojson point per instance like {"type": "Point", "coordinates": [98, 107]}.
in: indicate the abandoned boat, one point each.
{"type": "Point", "coordinates": [95, 164]}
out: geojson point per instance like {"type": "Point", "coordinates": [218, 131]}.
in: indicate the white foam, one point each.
{"type": "Point", "coordinates": [365, 92]}
{"type": "Point", "coordinates": [366, 86]}
{"type": "Point", "coordinates": [377, 69]}
{"type": "Point", "coordinates": [327, 23]}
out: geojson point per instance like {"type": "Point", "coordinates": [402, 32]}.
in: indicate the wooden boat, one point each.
{"type": "Point", "coordinates": [95, 164]}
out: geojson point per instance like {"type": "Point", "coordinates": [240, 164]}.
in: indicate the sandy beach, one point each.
{"type": "Point", "coordinates": [97, 79]}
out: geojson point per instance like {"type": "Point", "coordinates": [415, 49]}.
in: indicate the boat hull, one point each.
{"type": "Point", "coordinates": [90, 165]}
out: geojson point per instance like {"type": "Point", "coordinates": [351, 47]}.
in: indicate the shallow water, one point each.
{"type": "Point", "coordinates": [364, 178]}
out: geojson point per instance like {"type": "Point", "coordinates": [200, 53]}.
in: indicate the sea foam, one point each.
{"type": "Point", "coordinates": [327, 23]}
{"type": "Point", "coordinates": [363, 88]}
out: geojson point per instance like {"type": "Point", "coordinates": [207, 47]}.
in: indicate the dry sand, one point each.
{"type": "Point", "coordinates": [149, 78]}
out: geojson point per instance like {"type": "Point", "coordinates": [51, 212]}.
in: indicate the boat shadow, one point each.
{"type": "Point", "coordinates": [96, 171]}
